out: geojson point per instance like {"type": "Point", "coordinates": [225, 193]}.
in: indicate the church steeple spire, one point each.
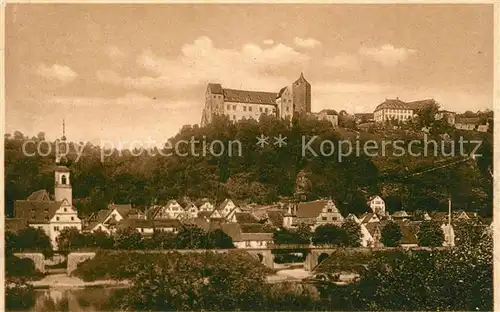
{"type": "Point", "coordinates": [61, 148]}
{"type": "Point", "coordinates": [63, 131]}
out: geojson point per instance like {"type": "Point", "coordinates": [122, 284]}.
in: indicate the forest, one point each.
{"type": "Point", "coordinates": [262, 175]}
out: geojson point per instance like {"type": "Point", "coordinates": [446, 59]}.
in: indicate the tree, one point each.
{"type": "Point", "coordinates": [160, 240]}
{"type": "Point", "coordinates": [430, 234]}
{"type": "Point", "coordinates": [391, 234]}
{"type": "Point", "coordinates": [352, 231]}
{"type": "Point", "coordinates": [70, 239]}
{"type": "Point", "coordinates": [191, 238]}
{"type": "Point", "coordinates": [31, 239]}
{"type": "Point", "coordinates": [128, 238]}
{"type": "Point", "coordinates": [103, 240]}
{"type": "Point", "coordinates": [328, 234]}
{"type": "Point", "coordinates": [218, 239]}
{"type": "Point", "coordinates": [468, 232]}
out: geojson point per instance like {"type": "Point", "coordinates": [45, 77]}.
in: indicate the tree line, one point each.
{"type": "Point", "coordinates": [261, 175]}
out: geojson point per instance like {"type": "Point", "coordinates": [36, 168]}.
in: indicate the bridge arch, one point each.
{"type": "Point", "coordinates": [322, 257]}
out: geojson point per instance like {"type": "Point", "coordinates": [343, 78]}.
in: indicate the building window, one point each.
{"type": "Point", "coordinates": [63, 179]}
{"type": "Point", "coordinates": [287, 109]}
{"type": "Point", "coordinates": [247, 244]}
{"type": "Point", "coordinates": [244, 108]}
{"type": "Point", "coordinates": [56, 228]}
{"type": "Point", "coordinates": [234, 117]}
{"type": "Point", "coordinates": [329, 210]}
{"type": "Point", "coordinates": [323, 218]}
{"type": "Point", "coordinates": [260, 109]}
{"type": "Point", "coordinates": [267, 110]}
{"type": "Point", "coordinates": [250, 108]}
{"type": "Point", "coordinates": [261, 243]}
{"type": "Point", "coordinates": [57, 218]}
{"type": "Point", "coordinates": [65, 209]}
{"type": "Point", "coordinates": [72, 218]}
{"type": "Point", "coordinates": [228, 107]}
{"type": "Point", "coordinates": [234, 107]}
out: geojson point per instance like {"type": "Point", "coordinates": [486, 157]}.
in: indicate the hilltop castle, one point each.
{"type": "Point", "coordinates": [242, 104]}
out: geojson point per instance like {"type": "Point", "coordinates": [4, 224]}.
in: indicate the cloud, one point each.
{"type": "Point", "coordinates": [344, 61]}
{"type": "Point", "coordinates": [306, 43]}
{"type": "Point", "coordinates": [114, 53]}
{"type": "Point", "coordinates": [268, 41]}
{"type": "Point", "coordinates": [201, 62]}
{"type": "Point", "coordinates": [58, 72]}
{"type": "Point", "coordinates": [387, 55]}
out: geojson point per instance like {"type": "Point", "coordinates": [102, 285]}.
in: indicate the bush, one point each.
{"type": "Point", "coordinates": [21, 267]}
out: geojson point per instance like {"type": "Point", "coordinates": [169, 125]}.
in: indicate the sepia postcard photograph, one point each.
{"type": "Point", "coordinates": [248, 157]}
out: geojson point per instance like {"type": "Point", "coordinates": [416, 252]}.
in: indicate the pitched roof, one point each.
{"type": "Point", "coordinates": [36, 211]}
{"type": "Point", "coordinates": [301, 79]}
{"type": "Point", "coordinates": [245, 217]}
{"type": "Point", "coordinates": [123, 210]}
{"type": "Point", "coordinates": [254, 228]}
{"type": "Point", "coordinates": [257, 236]}
{"type": "Point", "coordinates": [40, 195]}
{"type": "Point", "coordinates": [439, 215]}
{"type": "Point", "coordinates": [233, 230]}
{"type": "Point", "coordinates": [280, 93]}
{"type": "Point", "coordinates": [250, 97]}
{"type": "Point", "coordinates": [400, 214]}
{"type": "Point", "coordinates": [310, 209]}
{"type": "Point", "coordinates": [15, 224]}
{"type": "Point", "coordinates": [215, 88]}
{"type": "Point", "coordinates": [62, 169]}
{"type": "Point", "coordinates": [372, 227]}
{"type": "Point", "coordinates": [204, 214]}
{"type": "Point", "coordinates": [398, 104]}
{"type": "Point", "coordinates": [142, 223]}
{"type": "Point", "coordinates": [368, 217]}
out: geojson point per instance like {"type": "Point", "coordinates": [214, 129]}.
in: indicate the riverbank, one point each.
{"type": "Point", "coordinates": [65, 281]}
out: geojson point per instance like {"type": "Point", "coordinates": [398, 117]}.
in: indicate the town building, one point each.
{"type": "Point", "coordinates": [243, 104]}
{"type": "Point", "coordinates": [450, 117]}
{"type": "Point", "coordinates": [467, 123]}
{"type": "Point", "coordinates": [377, 205]}
{"type": "Point", "coordinates": [52, 214]}
{"type": "Point", "coordinates": [329, 115]}
{"type": "Point", "coordinates": [313, 214]}
{"type": "Point", "coordinates": [395, 109]}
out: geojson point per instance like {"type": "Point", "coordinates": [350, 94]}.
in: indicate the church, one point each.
{"type": "Point", "coordinates": [52, 213]}
{"type": "Point", "coordinates": [242, 104]}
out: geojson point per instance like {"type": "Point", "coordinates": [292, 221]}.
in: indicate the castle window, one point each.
{"type": "Point", "coordinates": [63, 179]}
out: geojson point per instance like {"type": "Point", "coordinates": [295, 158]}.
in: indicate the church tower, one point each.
{"type": "Point", "coordinates": [301, 90]}
{"type": "Point", "coordinates": [62, 187]}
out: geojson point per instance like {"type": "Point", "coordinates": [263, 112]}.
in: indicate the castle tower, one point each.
{"type": "Point", "coordinates": [301, 90]}
{"type": "Point", "coordinates": [62, 187]}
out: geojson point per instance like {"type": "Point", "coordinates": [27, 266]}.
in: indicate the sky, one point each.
{"type": "Point", "coordinates": [119, 72]}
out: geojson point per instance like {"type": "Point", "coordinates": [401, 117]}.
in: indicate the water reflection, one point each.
{"type": "Point", "coordinates": [74, 300]}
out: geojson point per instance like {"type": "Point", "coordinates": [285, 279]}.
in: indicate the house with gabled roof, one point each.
{"type": "Point", "coordinates": [377, 205]}
{"type": "Point", "coordinates": [400, 215]}
{"type": "Point", "coordinates": [369, 217]}
{"type": "Point", "coordinates": [191, 210]}
{"type": "Point", "coordinates": [205, 205]}
{"type": "Point", "coordinates": [249, 238]}
{"type": "Point", "coordinates": [226, 207]}
{"type": "Point", "coordinates": [314, 214]}
{"type": "Point", "coordinates": [231, 216]}
{"type": "Point", "coordinates": [171, 210]}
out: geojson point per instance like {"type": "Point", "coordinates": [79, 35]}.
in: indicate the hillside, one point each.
{"type": "Point", "coordinates": [260, 174]}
